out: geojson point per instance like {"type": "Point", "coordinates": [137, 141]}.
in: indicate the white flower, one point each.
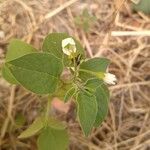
{"type": "Point", "coordinates": [68, 46]}
{"type": "Point", "coordinates": [110, 78]}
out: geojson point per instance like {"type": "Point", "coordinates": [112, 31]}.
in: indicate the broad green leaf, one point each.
{"type": "Point", "coordinates": [101, 92]}
{"type": "Point", "coordinates": [143, 5]}
{"type": "Point", "coordinates": [87, 111]}
{"type": "Point", "coordinates": [56, 124]}
{"type": "Point", "coordinates": [15, 49]}
{"type": "Point", "coordinates": [92, 65]}
{"type": "Point", "coordinates": [52, 139]}
{"type": "Point", "coordinates": [7, 75]}
{"type": "Point", "coordinates": [53, 45]}
{"type": "Point", "coordinates": [69, 94]}
{"type": "Point", "coordinates": [18, 48]}
{"type": "Point", "coordinates": [102, 97]}
{"type": "Point", "coordinates": [93, 84]}
{"type": "Point", "coordinates": [37, 72]}
{"type": "Point", "coordinates": [33, 129]}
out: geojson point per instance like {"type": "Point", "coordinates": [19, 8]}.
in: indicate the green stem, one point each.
{"type": "Point", "coordinates": [48, 109]}
{"type": "Point", "coordinates": [75, 69]}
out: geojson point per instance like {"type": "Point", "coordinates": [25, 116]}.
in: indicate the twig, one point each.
{"type": "Point", "coordinates": [131, 33]}
{"type": "Point", "coordinates": [146, 143]}
{"type": "Point", "coordinates": [9, 113]}
{"type": "Point", "coordinates": [89, 50]}
{"type": "Point", "coordinates": [125, 26]}
{"type": "Point", "coordinates": [50, 15]}
{"type": "Point", "coordinates": [131, 139]}
{"type": "Point", "coordinates": [112, 114]}
{"type": "Point", "coordinates": [129, 85]}
{"type": "Point", "coordinates": [59, 9]}
{"type": "Point", "coordinates": [142, 129]}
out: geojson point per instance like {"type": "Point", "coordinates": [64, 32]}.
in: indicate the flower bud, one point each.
{"type": "Point", "coordinates": [110, 78]}
{"type": "Point", "coordinates": [68, 46]}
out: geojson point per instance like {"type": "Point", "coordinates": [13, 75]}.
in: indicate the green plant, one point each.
{"type": "Point", "coordinates": [85, 20]}
{"type": "Point", "coordinates": [40, 72]}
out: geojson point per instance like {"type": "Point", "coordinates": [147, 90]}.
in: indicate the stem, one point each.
{"type": "Point", "coordinates": [75, 69]}
{"type": "Point", "coordinates": [48, 109]}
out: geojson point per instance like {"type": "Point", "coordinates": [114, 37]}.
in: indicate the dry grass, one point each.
{"type": "Point", "coordinates": [127, 126]}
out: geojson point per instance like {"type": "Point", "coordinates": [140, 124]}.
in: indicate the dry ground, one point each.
{"type": "Point", "coordinates": [127, 126]}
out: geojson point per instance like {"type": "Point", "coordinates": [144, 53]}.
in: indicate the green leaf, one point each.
{"type": "Point", "coordinates": [69, 94]}
{"type": "Point", "coordinates": [92, 65]}
{"type": "Point", "coordinates": [95, 64]}
{"type": "Point", "coordinates": [53, 45]}
{"type": "Point", "coordinates": [37, 72]}
{"type": "Point", "coordinates": [16, 49]}
{"type": "Point", "coordinates": [101, 92]}
{"type": "Point", "coordinates": [93, 84]}
{"type": "Point", "coordinates": [33, 129]}
{"type": "Point", "coordinates": [102, 97]}
{"type": "Point", "coordinates": [87, 111]}
{"type": "Point", "coordinates": [52, 139]}
{"type": "Point", "coordinates": [7, 75]}
{"type": "Point", "coordinates": [143, 5]}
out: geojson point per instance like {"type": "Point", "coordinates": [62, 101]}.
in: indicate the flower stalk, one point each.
{"type": "Point", "coordinates": [108, 78]}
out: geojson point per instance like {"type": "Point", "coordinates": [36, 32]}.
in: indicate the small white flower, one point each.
{"type": "Point", "coordinates": [110, 78]}
{"type": "Point", "coordinates": [68, 46]}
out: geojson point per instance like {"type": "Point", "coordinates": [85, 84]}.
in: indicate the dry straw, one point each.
{"type": "Point", "coordinates": [127, 124]}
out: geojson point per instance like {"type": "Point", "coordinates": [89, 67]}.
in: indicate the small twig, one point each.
{"type": "Point", "coordinates": [125, 26]}
{"type": "Point", "coordinates": [131, 33]}
{"type": "Point", "coordinates": [48, 16]}
{"type": "Point", "coordinates": [144, 144]}
{"type": "Point", "coordinates": [11, 101]}
{"type": "Point", "coordinates": [89, 50]}
{"type": "Point", "coordinates": [120, 116]}
{"type": "Point", "coordinates": [59, 9]}
{"type": "Point", "coordinates": [129, 85]}
{"type": "Point", "coordinates": [9, 113]}
{"type": "Point", "coordinates": [132, 139]}
{"type": "Point", "coordinates": [112, 114]}
{"type": "Point", "coordinates": [29, 10]}
{"type": "Point", "coordinates": [142, 129]}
